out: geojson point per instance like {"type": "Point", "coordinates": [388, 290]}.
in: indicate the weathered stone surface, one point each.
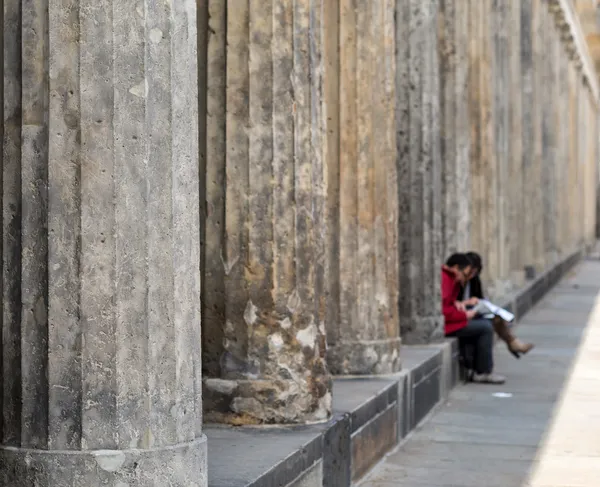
{"type": "Point", "coordinates": [524, 206]}
{"type": "Point", "coordinates": [100, 374]}
{"type": "Point", "coordinates": [419, 170]}
{"type": "Point", "coordinates": [174, 465]}
{"type": "Point", "coordinates": [266, 225]}
{"type": "Point", "coordinates": [364, 339]}
{"type": "Point", "coordinates": [453, 45]}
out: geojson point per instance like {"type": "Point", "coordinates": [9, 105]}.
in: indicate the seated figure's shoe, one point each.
{"type": "Point", "coordinates": [488, 379]}
{"type": "Point", "coordinates": [517, 347]}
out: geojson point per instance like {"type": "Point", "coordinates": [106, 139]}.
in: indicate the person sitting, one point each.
{"type": "Point", "coordinates": [464, 324]}
{"type": "Point", "coordinates": [472, 292]}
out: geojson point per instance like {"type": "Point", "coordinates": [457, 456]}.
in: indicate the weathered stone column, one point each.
{"type": "Point", "coordinates": [536, 173]}
{"type": "Point", "coordinates": [453, 49]}
{"type": "Point", "coordinates": [573, 157]}
{"type": "Point", "coordinates": [527, 240]}
{"type": "Point", "coordinates": [515, 183]}
{"type": "Point", "coordinates": [548, 137]}
{"type": "Point", "coordinates": [499, 217]}
{"type": "Point", "coordinates": [264, 298]}
{"type": "Point", "coordinates": [419, 170]}
{"type": "Point", "coordinates": [101, 381]}
{"type": "Point", "coordinates": [364, 339]}
{"type": "Point", "coordinates": [562, 167]}
{"type": "Point", "coordinates": [489, 124]}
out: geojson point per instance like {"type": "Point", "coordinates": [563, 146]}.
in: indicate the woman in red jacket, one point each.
{"type": "Point", "coordinates": [462, 323]}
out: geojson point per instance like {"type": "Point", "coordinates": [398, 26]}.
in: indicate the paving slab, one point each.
{"type": "Point", "coordinates": [541, 428]}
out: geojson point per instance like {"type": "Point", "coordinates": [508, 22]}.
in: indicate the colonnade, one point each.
{"type": "Point", "coordinates": [209, 208]}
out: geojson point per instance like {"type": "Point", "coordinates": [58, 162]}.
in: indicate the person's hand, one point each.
{"type": "Point", "coordinates": [471, 314]}
{"type": "Point", "coordinates": [460, 306]}
{"type": "Point", "coordinates": [473, 301]}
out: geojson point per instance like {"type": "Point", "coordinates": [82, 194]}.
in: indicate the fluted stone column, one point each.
{"type": "Point", "coordinates": [561, 95]}
{"type": "Point", "coordinates": [527, 239]}
{"type": "Point", "coordinates": [548, 137]}
{"type": "Point", "coordinates": [265, 239]}
{"type": "Point", "coordinates": [501, 236]}
{"type": "Point", "coordinates": [515, 183]}
{"type": "Point", "coordinates": [573, 162]}
{"type": "Point", "coordinates": [537, 170]}
{"type": "Point", "coordinates": [489, 129]}
{"type": "Point", "coordinates": [100, 344]}
{"type": "Point", "coordinates": [365, 337]}
{"type": "Point", "coordinates": [453, 46]}
{"type": "Point", "coordinates": [419, 170]}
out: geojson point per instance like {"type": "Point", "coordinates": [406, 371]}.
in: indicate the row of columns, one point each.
{"type": "Point", "coordinates": [533, 158]}
{"type": "Point", "coordinates": [291, 172]}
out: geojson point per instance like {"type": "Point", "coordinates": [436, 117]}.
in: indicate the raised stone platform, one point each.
{"type": "Point", "coordinates": [371, 416]}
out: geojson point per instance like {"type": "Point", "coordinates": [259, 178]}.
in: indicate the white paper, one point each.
{"type": "Point", "coordinates": [498, 311]}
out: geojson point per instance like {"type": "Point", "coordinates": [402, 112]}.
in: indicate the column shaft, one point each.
{"type": "Point", "coordinates": [453, 45]}
{"type": "Point", "coordinates": [516, 184]}
{"type": "Point", "coordinates": [419, 170]}
{"type": "Point", "coordinates": [266, 224]}
{"type": "Point", "coordinates": [101, 330]}
{"type": "Point", "coordinates": [365, 339]}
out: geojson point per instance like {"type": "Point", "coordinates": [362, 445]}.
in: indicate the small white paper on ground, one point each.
{"type": "Point", "coordinates": [502, 394]}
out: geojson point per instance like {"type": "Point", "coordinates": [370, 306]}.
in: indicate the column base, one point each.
{"type": "Point", "coordinates": [263, 401]}
{"type": "Point", "coordinates": [181, 465]}
{"type": "Point", "coordinates": [422, 329]}
{"type": "Point", "coordinates": [365, 357]}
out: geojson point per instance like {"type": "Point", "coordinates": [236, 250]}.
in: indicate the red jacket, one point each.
{"type": "Point", "coordinates": [454, 319]}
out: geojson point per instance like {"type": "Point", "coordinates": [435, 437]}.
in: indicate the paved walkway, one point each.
{"type": "Point", "coordinates": [540, 429]}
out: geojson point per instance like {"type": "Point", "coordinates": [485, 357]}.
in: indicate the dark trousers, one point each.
{"type": "Point", "coordinates": [478, 334]}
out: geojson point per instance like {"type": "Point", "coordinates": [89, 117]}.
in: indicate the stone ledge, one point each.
{"type": "Point", "coordinates": [371, 416]}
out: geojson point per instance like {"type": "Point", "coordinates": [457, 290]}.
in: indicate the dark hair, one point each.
{"type": "Point", "coordinates": [460, 260]}
{"type": "Point", "coordinates": [475, 259]}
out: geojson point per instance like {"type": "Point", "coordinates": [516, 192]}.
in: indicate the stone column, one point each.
{"type": "Point", "coordinates": [499, 216]}
{"type": "Point", "coordinates": [516, 184]}
{"type": "Point", "coordinates": [265, 239]}
{"type": "Point", "coordinates": [489, 125]}
{"type": "Point", "coordinates": [365, 337]}
{"type": "Point", "coordinates": [453, 46]}
{"type": "Point", "coordinates": [101, 381]}
{"type": "Point", "coordinates": [573, 162]}
{"type": "Point", "coordinates": [419, 169]}
{"type": "Point", "coordinates": [561, 95]}
{"type": "Point", "coordinates": [548, 140]}
{"type": "Point", "coordinates": [475, 62]}
{"type": "Point", "coordinates": [536, 173]}
{"type": "Point", "coordinates": [527, 239]}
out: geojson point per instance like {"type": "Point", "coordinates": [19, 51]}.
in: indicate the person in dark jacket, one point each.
{"type": "Point", "coordinates": [463, 323]}
{"type": "Point", "coordinates": [472, 291]}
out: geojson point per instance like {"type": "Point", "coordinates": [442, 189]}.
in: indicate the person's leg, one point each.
{"type": "Point", "coordinates": [482, 332]}
{"type": "Point", "coordinates": [515, 346]}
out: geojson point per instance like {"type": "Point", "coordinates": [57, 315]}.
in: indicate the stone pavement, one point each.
{"type": "Point", "coordinates": [540, 429]}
